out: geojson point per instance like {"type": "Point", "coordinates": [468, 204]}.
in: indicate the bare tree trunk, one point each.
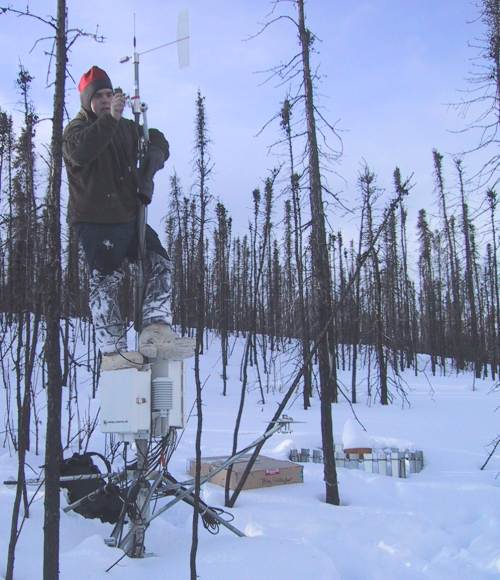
{"type": "Point", "coordinates": [222, 289]}
{"type": "Point", "coordinates": [408, 312]}
{"type": "Point", "coordinates": [356, 325]}
{"type": "Point", "coordinates": [379, 333]}
{"type": "Point", "coordinates": [475, 351]}
{"type": "Point", "coordinates": [321, 270]}
{"type": "Point", "coordinates": [53, 313]}
{"type": "Point", "coordinates": [304, 332]}
{"type": "Point", "coordinates": [23, 438]}
{"type": "Point", "coordinates": [26, 281]}
{"type": "Point", "coordinates": [455, 302]}
{"type": "Point", "coordinates": [178, 252]}
{"type": "Point", "coordinates": [204, 168]}
{"type": "Point", "coordinates": [492, 202]}
{"type": "Point", "coordinates": [251, 337]}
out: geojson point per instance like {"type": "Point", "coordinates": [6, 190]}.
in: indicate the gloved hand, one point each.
{"type": "Point", "coordinates": [153, 161]}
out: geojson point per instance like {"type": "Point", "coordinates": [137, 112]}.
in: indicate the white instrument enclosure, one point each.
{"type": "Point", "coordinates": [125, 397]}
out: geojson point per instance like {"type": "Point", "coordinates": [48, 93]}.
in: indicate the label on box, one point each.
{"type": "Point", "coordinates": [275, 471]}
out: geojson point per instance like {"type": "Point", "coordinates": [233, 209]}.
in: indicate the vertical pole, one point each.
{"type": "Point", "coordinates": [53, 450]}
{"type": "Point", "coordinates": [138, 523]}
{"type": "Point", "coordinates": [395, 463]}
{"type": "Point", "coordinates": [368, 462]}
{"type": "Point", "coordinates": [141, 214]}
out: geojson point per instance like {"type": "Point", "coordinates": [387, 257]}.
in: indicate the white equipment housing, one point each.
{"type": "Point", "coordinates": [167, 396]}
{"type": "Point", "coordinates": [137, 404]}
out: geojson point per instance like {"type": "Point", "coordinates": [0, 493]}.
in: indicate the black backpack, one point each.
{"type": "Point", "coordinates": [106, 502]}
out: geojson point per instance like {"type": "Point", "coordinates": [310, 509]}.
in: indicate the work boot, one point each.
{"type": "Point", "coordinates": [155, 338]}
{"type": "Point", "coordinates": [114, 361]}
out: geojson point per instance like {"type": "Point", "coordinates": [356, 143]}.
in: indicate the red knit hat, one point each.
{"type": "Point", "coordinates": [92, 81]}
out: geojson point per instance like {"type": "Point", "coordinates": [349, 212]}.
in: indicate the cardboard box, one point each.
{"type": "Point", "coordinates": [266, 471]}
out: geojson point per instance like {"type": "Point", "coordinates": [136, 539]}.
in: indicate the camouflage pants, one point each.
{"type": "Point", "coordinates": [107, 248]}
{"type": "Point", "coordinates": [110, 329]}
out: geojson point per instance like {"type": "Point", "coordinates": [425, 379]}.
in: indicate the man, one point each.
{"type": "Point", "coordinates": [100, 151]}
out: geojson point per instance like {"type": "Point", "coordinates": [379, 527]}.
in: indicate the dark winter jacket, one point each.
{"type": "Point", "coordinates": [100, 155]}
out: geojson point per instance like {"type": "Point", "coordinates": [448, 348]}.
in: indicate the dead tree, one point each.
{"type": "Point", "coordinates": [249, 349]}
{"type": "Point", "coordinates": [6, 159]}
{"type": "Point", "coordinates": [26, 308]}
{"type": "Point", "coordinates": [484, 90]}
{"type": "Point", "coordinates": [53, 311]}
{"type": "Point", "coordinates": [408, 317]}
{"type": "Point", "coordinates": [494, 286]}
{"type": "Point", "coordinates": [304, 330]}
{"type": "Point", "coordinates": [356, 314]}
{"type": "Point", "coordinates": [290, 277]}
{"type": "Point", "coordinates": [369, 192]}
{"type": "Point", "coordinates": [222, 240]}
{"type": "Point", "coordinates": [321, 282]}
{"type": "Point", "coordinates": [428, 299]}
{"type": "Point", "coordinates": [475, 341]}
{"type": "Point", "coordinates": [177, 250]}
{"type": "Point", "coordinates": [455, 298]}
{"type": "Point", "coordinates": [299, 67]}
{"type": "Point", "coordinates": [203, 169]}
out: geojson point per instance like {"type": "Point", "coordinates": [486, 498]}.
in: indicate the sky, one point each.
{"type": "Point", "coordinates": [389, 71]}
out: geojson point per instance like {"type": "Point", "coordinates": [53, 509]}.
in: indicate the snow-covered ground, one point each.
{"type": "Point", "coordinates": [443, 523]}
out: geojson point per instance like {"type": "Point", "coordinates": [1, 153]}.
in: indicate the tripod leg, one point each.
{"type": "Point", "coordinates": [180, 492]}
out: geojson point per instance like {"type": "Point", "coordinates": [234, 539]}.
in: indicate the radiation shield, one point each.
{"type": "Point", "coordinates": [167, 396]}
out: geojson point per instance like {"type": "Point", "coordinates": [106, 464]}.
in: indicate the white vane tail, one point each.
{"type": "Point", "coordinates": [183, 38]}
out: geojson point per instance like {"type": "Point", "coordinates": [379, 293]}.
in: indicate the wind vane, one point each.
{"type": "Point", "coordinates": [182, 41]}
